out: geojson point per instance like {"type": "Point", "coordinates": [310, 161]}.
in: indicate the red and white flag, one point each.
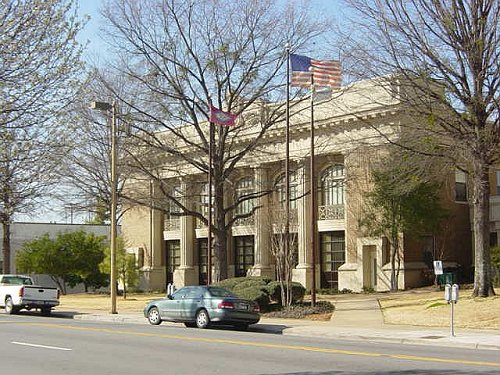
{"type": "Point", "coordinates": [218, 116]}
{"type": "Point", "coordinates": [324, 72]}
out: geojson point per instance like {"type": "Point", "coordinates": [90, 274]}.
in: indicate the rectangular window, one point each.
{"type": "Point", "coordinates": [173, 258]}
{"type": "Point", "coordinates": [460, 186]}
{"type": "Point", "coordinates": [332, 257]}
{"type": "Point", "coordinates": [493, 239]}
{"type": "Point", "coordinates": [498, 182]}
{"type": "Point", "coordinates": [244, 254]}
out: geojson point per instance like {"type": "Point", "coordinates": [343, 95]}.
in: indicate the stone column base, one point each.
{"type": "Point", "coordinates": [258, 270]}
{"type": "Point", "coordinates": [350, 276]}
{"type": "Point", "coordinates": [184, 276]}
{"type": "Point", "coordinates": [303, 274]}
{"type": "Point", "coordinates": [153, 278]}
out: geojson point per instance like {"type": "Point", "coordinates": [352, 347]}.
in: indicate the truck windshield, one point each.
{"type": "Point", "coordinates": [17, 280]}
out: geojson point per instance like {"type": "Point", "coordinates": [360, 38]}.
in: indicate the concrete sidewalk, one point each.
{"type": "Point", "coordinates": [356, 317]}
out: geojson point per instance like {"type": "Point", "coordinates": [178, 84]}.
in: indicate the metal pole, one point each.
{"type": "Point", "coordinates": [452, 319]}
{"type": "Point", "coordinates": [313, 199]}
{"type": "Point", "coordinates": [209, 229]}
{"type": "Point", "coordinates": [287, 167]}
{"type": "Point", "coordinates": [113, 209]}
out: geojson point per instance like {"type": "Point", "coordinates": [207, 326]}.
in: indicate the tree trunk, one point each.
{"type": "Point", "coordinates": [220, 235]}
{"type": "Point", "coordinates": [483, 286]}
{"type": "Point", "coordinates": [6, 246]}
{"type": "Point", "coordinates": [61, 286]}
{"type": "Point", "coordinates": [394, 279]}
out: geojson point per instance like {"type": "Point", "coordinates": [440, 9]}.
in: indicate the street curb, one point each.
{"type": "Point", "coordinates": [302, 331]}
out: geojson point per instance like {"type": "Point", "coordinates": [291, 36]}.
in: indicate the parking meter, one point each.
{"type": "Point", "coordinates": [451, 295]}
{"type": "Point", "coordinates": [454, 293]}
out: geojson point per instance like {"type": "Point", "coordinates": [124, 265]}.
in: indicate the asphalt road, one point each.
{"type": "Point", "coordinates": [31, 344]}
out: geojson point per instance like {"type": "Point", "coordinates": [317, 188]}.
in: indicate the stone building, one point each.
{"type": "Point", "coordinates": [351, 134]}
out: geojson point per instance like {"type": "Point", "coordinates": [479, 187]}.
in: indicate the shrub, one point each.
{"type": "Point", "coordinates": [302, 310]}
{"type": "Point", "coordinates": [254, 294]}
{"type": "Point", "coordinates": [246, 281]}
{"type": "Point", "coordinates": [274, 290]}
{"type": "Point", "coordinates": [251, 287]}
{"type": "Point", "coordinates": [495, 264]}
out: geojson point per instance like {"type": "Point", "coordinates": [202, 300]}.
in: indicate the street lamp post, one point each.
{"type": "Point", "coordinates": [103, 106]}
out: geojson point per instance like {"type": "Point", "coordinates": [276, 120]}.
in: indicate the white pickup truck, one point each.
{"type": "Point", "coordinates": [18, 292]}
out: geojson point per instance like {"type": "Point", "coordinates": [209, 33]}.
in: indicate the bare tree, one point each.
{"type": "Point", "coordinates": [182, 55]}
{"type": "Point", "coordinates": [442, 57]}
{"type": "Point", "coordinates": [285, 260]}
{"type": "Point", "coordinates": [87, 166]}
{"type": "Point", "coordinates": [39, 66]}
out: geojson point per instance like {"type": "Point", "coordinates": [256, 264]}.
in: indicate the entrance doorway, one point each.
{"type": "Point", "coordinates": [332, 257]}
{"type": "Point", "coordinates": [370, 266]}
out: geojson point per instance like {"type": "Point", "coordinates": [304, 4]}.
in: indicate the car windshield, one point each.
{"type": "Point", "coordinates": [220, 292]}
{"type": "Point", "coordinates": [17, 280]}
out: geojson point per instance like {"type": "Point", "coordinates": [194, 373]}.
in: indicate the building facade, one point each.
{"type": "Point", "coordinates": [351, 135]}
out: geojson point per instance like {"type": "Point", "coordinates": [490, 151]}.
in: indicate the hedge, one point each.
{"type": "Point", "coordinates": [260, 289]}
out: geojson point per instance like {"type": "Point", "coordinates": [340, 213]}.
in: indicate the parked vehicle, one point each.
{"type": "Point", "coordinates": [18, 292]}
{"type": "Point", "coordinates": [201, 306]}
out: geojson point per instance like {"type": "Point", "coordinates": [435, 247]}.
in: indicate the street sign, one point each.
{"type": "Point", "coordinates": [438, 267]}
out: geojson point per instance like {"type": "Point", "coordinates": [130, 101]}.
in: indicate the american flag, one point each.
{"type": "Point", "coordinates": [325, 72]}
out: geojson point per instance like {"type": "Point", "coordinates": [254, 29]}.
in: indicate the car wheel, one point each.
{"type": "Point", "coordinates": [202, 319]}
{"type": "Point", "coordinates": [190, 324]}
{"type": "Point", "coordinates": [9, 306]}
{"type": "Point", "coordinates": [154, 316]}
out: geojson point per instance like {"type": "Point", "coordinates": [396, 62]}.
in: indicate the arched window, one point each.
{"type": "Point", "coordinates": [244, 187]}
{"type": "Point", "coordinates": [333, 186]}
{"type": "Point", "coordinates": [280, 190]}
{"type": "Point", "coordinates": [173, 209]}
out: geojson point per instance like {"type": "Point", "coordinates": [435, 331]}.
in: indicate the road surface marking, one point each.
{"type": "Point", "coordinates": [39, 346]}
{"type": "Point", "coordinates": [265, 345]}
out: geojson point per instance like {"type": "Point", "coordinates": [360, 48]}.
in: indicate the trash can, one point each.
{"type": "Point", "coordinates": [447, 278]}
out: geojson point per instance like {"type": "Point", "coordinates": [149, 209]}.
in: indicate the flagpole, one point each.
{"type": "Point", "coordinates": [313, 198]}
{"type": "Point", "coordinates": [287, 165]}
{"type": "Point", "coordinates": [209, 229]}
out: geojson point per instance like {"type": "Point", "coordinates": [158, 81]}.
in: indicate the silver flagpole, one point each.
{"type": "Point", "coordinates": [313, 198]}
{"type": "Point", "coordinates": [287, 168]}
{"type": "Point", "coordinates": [209, 229]}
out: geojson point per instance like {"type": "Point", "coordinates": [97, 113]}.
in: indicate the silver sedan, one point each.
{"type": "Point", "coordinates": [201, 306]}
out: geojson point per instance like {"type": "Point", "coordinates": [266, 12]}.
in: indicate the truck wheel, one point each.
{"type": "Point", "coordinates": [9, 306]}
{"type": "Point", "coordinates": [46, 311]}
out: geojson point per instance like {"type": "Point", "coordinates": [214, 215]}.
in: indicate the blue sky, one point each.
{"type": "Point", "coordinates": [97, 47]}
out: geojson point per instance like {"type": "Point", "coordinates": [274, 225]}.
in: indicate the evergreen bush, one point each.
{"type": "Point", "coordinates": [274, 290]}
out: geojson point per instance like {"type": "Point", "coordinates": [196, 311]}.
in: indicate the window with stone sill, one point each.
{"type": "Point", "coordinates": [332, 186]}
{"type": "Point", "coordinates": [245, 187]}
{"type": "Point", "coordinates": [280, 190]}
{"type": "Point", "coordinates": [460, 186]}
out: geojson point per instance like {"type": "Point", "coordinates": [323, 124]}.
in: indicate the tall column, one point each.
{"type": "Point", "coordinates": [262, 266]}
{"type": "Point", "coordinates": [186, 273]}
{"type": "Point", "coordinates": [154, 271]}
{"type": "Point", "coordinates": [302, 273]}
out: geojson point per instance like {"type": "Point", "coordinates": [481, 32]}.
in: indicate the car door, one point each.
{"type": "Point", "coordinates": [191, 301]}
{"type": "Point", "coordinates": [170, 306]}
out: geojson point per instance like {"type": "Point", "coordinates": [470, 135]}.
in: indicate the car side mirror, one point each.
{"type": "Point", "coordinates": [169, 296]}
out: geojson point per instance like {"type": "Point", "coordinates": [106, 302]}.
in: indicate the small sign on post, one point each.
{"type": "Point", "coordinates": [438, 267]}
{"type": "Point", "coordinates": [451, 296]}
